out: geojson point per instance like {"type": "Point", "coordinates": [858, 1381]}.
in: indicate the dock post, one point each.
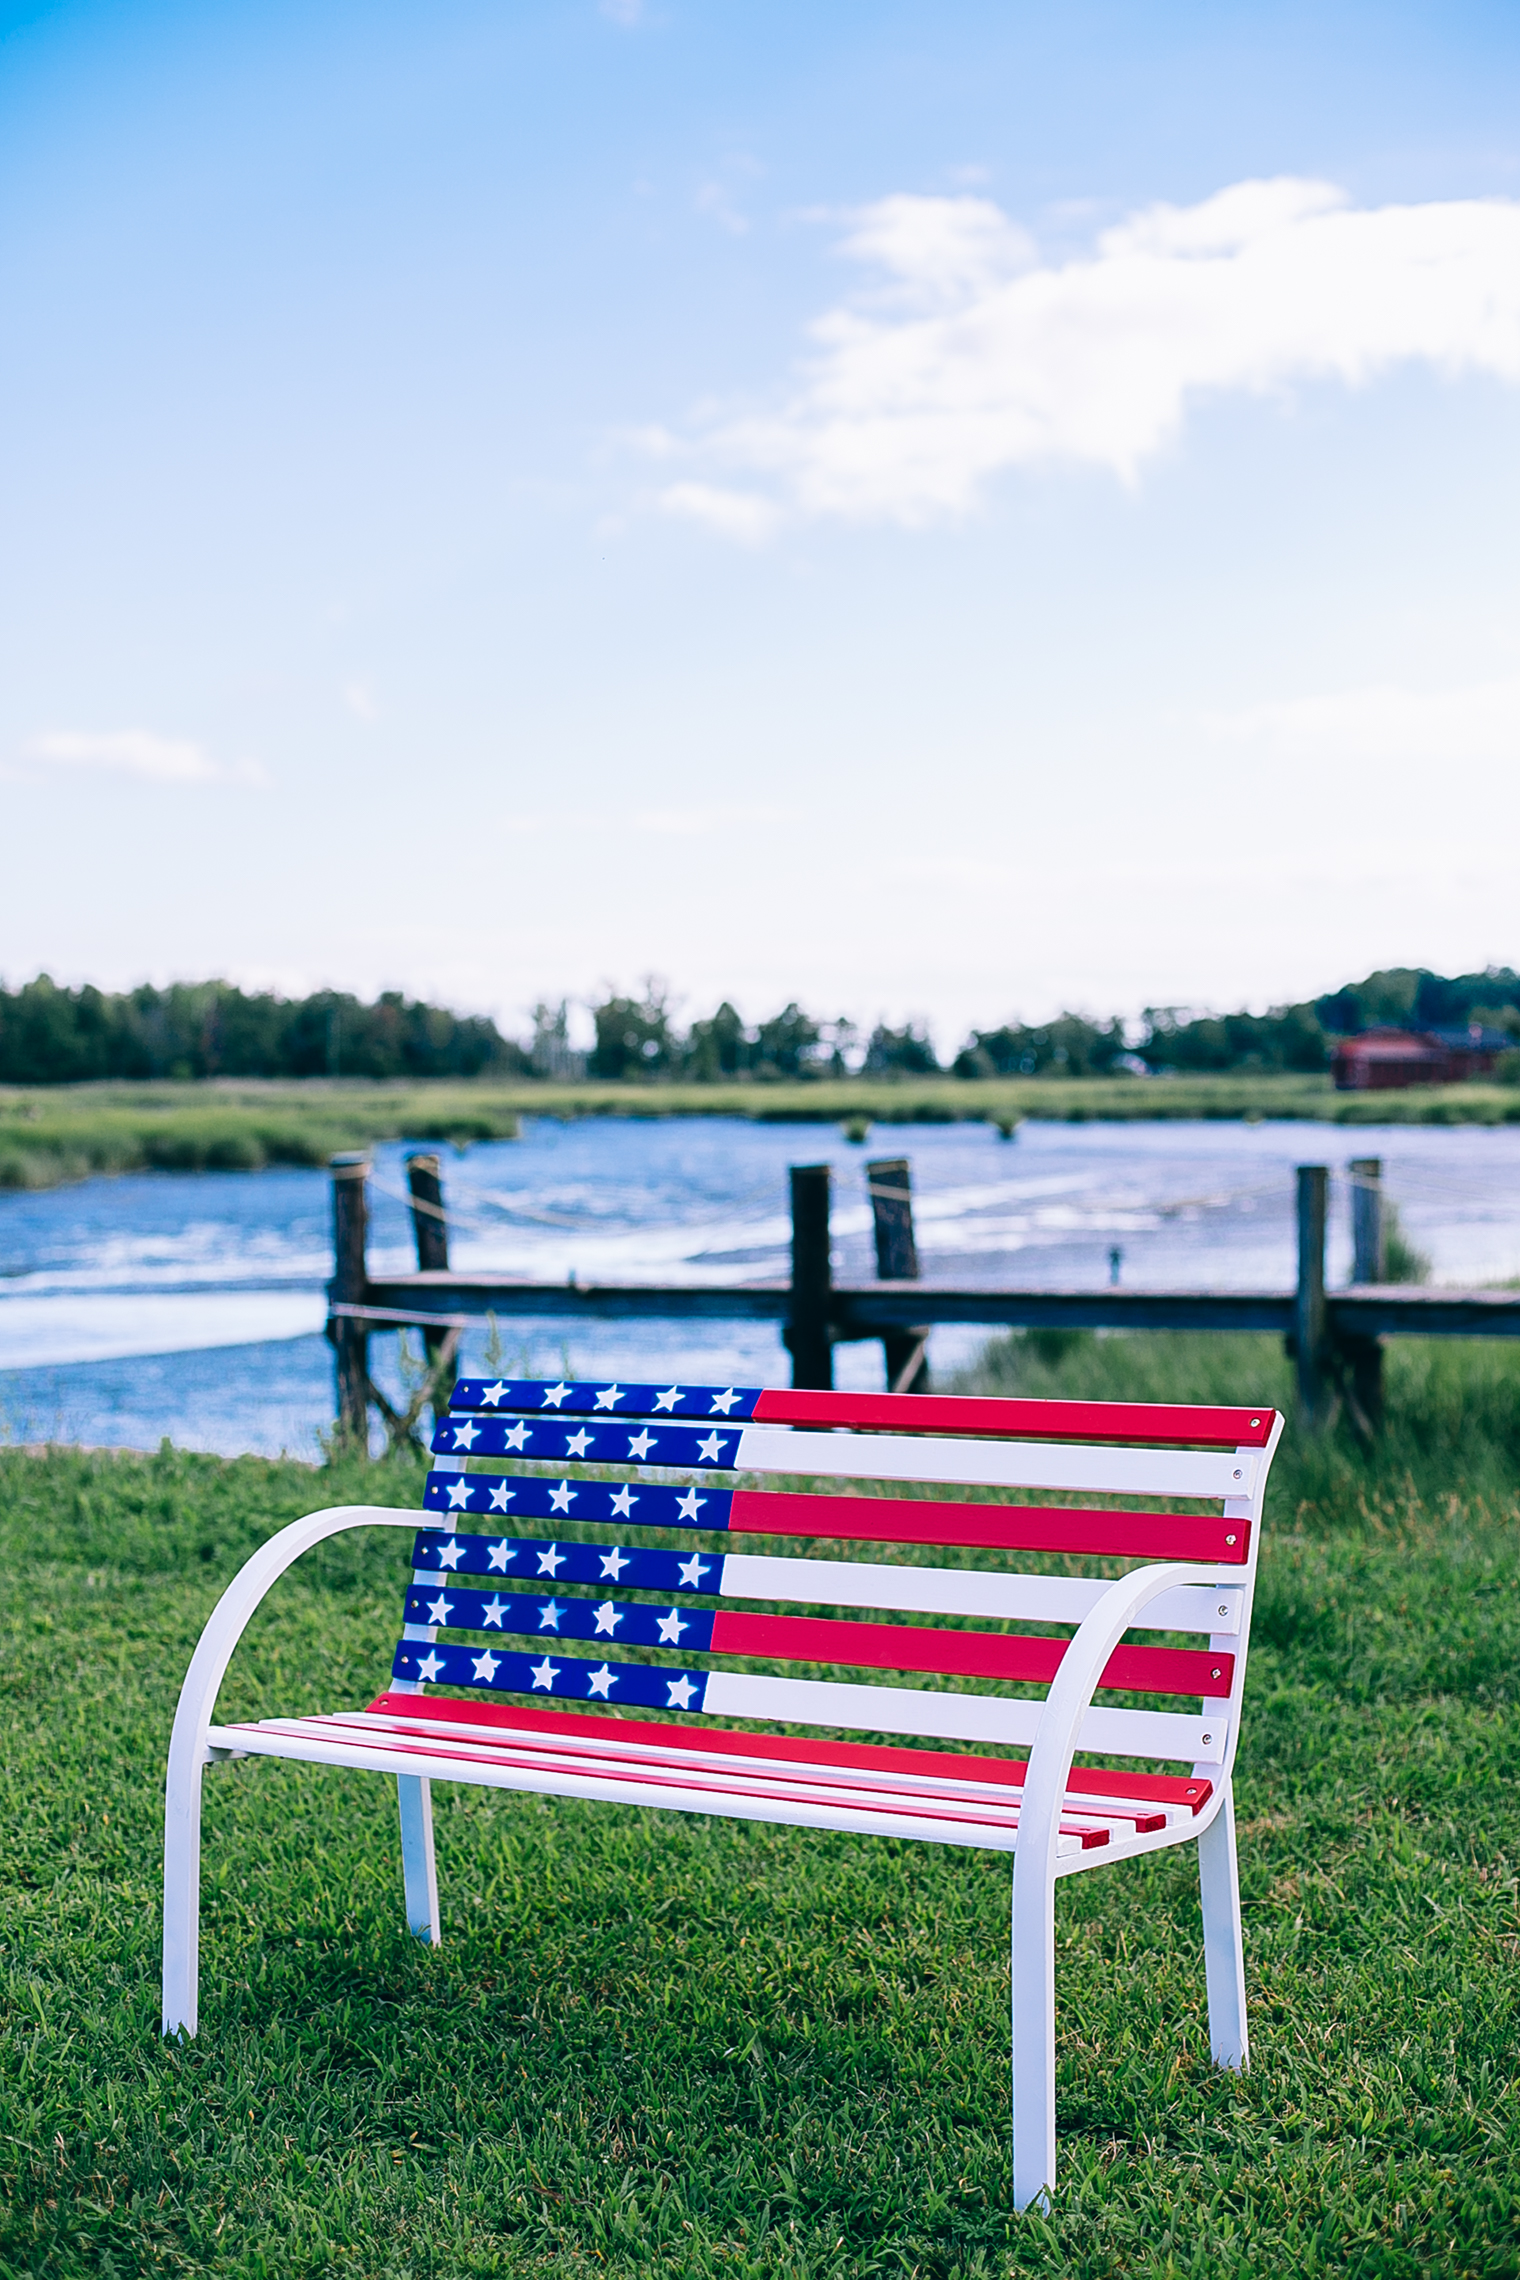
{"type": "Point", "coordinates": [891, 1191]}
{"type": "Point", "coordinates": [1309, 1317]}
{"type": "Point", "coordinates": [1369, 1243]}
{"type": "Point", "coordinates": [424, 1179]}
{"type": "Point", "coordinates": [808, 1331]}
{"type": "Point", "coordinates": [350, 1339]}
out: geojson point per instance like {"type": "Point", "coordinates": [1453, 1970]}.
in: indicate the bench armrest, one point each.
{"type": "Point", "coordinates": [230, 1616]}
{"type": "Point", "coordinates": [1071, 1693]}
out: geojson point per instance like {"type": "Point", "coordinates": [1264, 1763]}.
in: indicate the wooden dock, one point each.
{"type": "Point", "coordinates": [1335, 1336]}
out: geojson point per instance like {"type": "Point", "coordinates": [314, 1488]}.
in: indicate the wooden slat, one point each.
{"type": "Point", "coordinates": [878, 1759]}
{"type": "Point", "coordinates": [962, 1654]}
{"type": "Point", "coordinates": [957, 1591]}
{"type": "Point", "coordinates": [1091, 1469]}
{"type": "Point", "coordinates": [1144, 1424]}
{"type": "Point", "coordinates": [992, 1527]}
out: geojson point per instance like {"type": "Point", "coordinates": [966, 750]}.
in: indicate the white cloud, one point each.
{"type": "Point", "coordinates": [360, 700]}
{"type": "Point", "coordinates": [624, 12]}
{"type": "Point", "coordinates": [1385, 722]}
{"type": "Point", "coordinates": [743, 515]}
{"type": "Point", "coordinates": [154, 759]}
{"type": "Point", "coordinates": [972, 356]}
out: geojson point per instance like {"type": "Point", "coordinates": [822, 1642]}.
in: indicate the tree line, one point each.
{"type": "Point", "coordinates": [53, 1035]}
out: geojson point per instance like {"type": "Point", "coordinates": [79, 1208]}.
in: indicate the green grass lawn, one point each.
{"type": "Point", "coordinates": [658, 2044]}
{"type": "Point", "coordinates": [65, 1132]}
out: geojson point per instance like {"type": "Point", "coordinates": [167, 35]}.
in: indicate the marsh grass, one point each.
{"type": "Point", "coordinates": [55, 1133]}
{"type": "Point", "coordinates": [653, 2044]}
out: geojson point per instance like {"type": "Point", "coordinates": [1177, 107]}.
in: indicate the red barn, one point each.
{"type": "Point", "coordinates": [1383, 1060]}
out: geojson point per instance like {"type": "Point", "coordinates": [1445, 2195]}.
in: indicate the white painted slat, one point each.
{"type": "Point", "coordinates": [998, 1464]}
{"type": "Point", "coordinates": [310, 1749]}
{"type": "Point", "coordinates": [796, 1780]}
{"type": "Point", "coordinates": [961, 1591]}
{"type": "Point", "coordinates": [956, 1717]}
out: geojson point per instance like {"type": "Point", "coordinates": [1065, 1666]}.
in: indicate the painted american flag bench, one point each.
{"type": "Point", "coordinates": [565, 1575]}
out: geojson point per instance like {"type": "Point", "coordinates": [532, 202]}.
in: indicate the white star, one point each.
{"type": "Point", "coordinates": [459, 1494]}
{"type": "Point", "coordinates": [608, 1396]}
{"type": "Point", "coordinates": [668, 1399]}
{"type": "Point", "coordinates": [602, 1681]}
{"type": "Point", "coordinates": [493, 1612]}
{"type": "Point", "coordinates": [578, 1443]}
{"type": "Point", "coordinates": [690, 1505]}
{"type": "Point", "coordinates": [691, 1573]}
{"type": "Point", "coordinates": [712, 1447]}
{"type": "Point", "coordinates": [438, 1609]}
{"type": "Point", "coordinates": [554, 1395]}
{"type": "Point", "coordinates": [500, 1554]}
{"type": "Point", "coordinates": [451, 1553]}
{"type": "Point", "coordinates": [516, 1436]}
{"type": "Point", "coordinates": [614, 1562]}
{"type": "Point", "coordinates": [430, 1666]}
{"type": "Point", "coordinates": [671, 1627]}
{"type": "Point", "coordinates": [642, 1443]}
{"type": "Point", "coordinates": [608, 1618]}
{"type": "Point", "coordinates": [501, 1496]}
{"type": "Point", "coordinates": [544, 1674]}
{"type": "Point", "coordinates": [492, 1394]}
{"type": "Point", "coordinates": [723, 1402]}
{"type": "Point", "coordinates": [467, 1434]}
{"type": "Point", "coordinates": [679, 1693]}
{"type": "Point", "coordinates": [624, 1502]}
{"type": "Point", "coordinates": [551, 1561]}
{"type": "Point", "coordinates": [486, 1666]}
{"type": "Point", "coordinates": [549, 1615]}
{"type": "Point", "coordinates": [561, 1498]}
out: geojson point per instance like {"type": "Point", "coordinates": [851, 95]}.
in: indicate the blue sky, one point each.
{"type": "Point", "coordinates": [864, 504]}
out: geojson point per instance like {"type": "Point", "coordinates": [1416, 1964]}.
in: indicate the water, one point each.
{"type": "Point", "coordinates": [191, 1305]}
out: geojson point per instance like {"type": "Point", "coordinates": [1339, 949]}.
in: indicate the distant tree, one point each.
{"type": "Point", "coordinates": [208, 1029]}
{"type": "Point", "coordinates": [1069, 1046]}
{"type": "Point", "coordinates": [900, 1052]}
{"type": "Point", "coordinates": [787, 1044]}
{"type": "Point", "coordinates": [634, 1036]}
{"type": "Point", "coordinates": [551, 1053]}
{"type": "Point", "coordinates": [719, 1048]}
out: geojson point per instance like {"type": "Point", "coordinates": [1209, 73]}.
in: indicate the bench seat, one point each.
{"type": "Point", "coordinates": [940, 1798]}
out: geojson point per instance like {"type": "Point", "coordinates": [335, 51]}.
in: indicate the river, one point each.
{"type": "Point", "coordinates": [191, 1305]}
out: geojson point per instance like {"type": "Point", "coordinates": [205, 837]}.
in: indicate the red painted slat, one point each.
{"type": "Point", "coordinates": [992, 1527]}
{"type": "Point", "coordinates": [727, 1741]}
{"type": "Point", "coordinates": [1147, 1424]}
{"type": "Point", "coordinates": [961, 1654]}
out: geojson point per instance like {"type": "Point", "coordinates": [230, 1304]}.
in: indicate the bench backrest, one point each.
{"type": "Point", "coordinates": [539, 1564]}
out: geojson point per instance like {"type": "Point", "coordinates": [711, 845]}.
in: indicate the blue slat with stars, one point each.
{"type": "Point", "coordinates": [450, 1555]}
{"type": "Point", "coordinates": [550, 1440]}
{"type": "Point", "coordinates": [578, 1678]}
{"type": "Point", "coordinates": [526, 1497]}
{"type": "Point", "coordinates": [622, 1622]}
{"type": "Point", "coordinates": [586, 1399]}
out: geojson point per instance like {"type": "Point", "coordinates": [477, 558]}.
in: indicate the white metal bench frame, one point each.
{"type": "Point", "coordinates": [1056, 1729]}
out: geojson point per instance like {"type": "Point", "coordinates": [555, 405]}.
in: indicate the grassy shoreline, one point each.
{"type": "Point", "coordinates": [690, 2049]}
{"type": "Point", "coordinates": [49, 1135]}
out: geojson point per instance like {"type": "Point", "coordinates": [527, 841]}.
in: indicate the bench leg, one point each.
{"type": "Point", "coordinates": [1223, 1947]}
{"type": "Point", "coordinates": [1034, 2030]}
{"type": "Point", "coordinates": [419, 1870]}
{"type": "Point", "coordinates": [182, 1897]}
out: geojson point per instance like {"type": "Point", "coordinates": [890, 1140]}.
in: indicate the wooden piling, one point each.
{"type": "Point", "coordinates": [350, 1286]}
{"type": "Point", "coordinates": [891, 1190]}
{"type": "Point", "coordinates": [424, 1179]}
{"type": "Point", "coordinates": [1363, 1356]}
{"type": "Point", "coordinates": [1310, 1321]}
{"type": "Point", "coordinates": [808, 1330]}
